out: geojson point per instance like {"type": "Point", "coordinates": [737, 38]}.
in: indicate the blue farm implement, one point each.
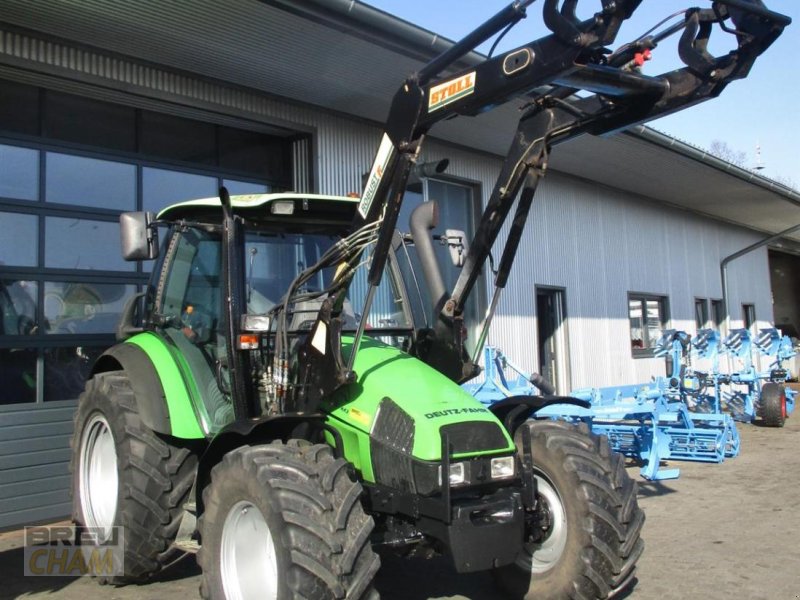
{"type": "Point", "coordinates": [647, 422]}
{"type": "Point", "coordinates": [748, 392]}
{"type": "Point", "coordinates": [745, 391]}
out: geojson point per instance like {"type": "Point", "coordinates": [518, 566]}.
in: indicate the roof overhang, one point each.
{"type": "Point", "coordinates": [347, 57]}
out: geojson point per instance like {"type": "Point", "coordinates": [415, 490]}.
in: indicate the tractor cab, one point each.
{"type": "Point", "coordinates": [282, 236]}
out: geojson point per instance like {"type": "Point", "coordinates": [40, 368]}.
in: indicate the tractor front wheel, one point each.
{"type": "Point", "coordinates": [773, 405]}
{"type": "Point", "coordinates": [584, 539]}
{"type": "Point", "coordinates": [127, 476]}
{"type": "Point", "coordinates": [284, 521]}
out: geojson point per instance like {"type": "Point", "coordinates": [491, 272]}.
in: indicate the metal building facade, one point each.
{"type": "Point", "coordinates": [595, 242]}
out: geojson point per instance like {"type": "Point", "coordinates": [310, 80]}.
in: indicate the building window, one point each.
{"type": "Point", "coordinates": [458, 210]}
{"type": "Point", "coordinates": [20, 240]}
{"type": "Point", "coordinates": [749, 316]}
{"type": "Point", "coordinates": [648, 318]}
{"type": "Point", "coordinates": [91, 182]}
{"type": "Point", "coordinates": [718, 313]}
{"type": "Point", "coordinates": [701, 313]}
{"type": "Point", "coordinates": [19, 173]}
{"type": "Point", "coordinates": [63, 184]}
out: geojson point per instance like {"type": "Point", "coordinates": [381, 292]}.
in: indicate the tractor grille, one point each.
{"type": "Point", "coordinates": [477, 436]}
{"type": "Point", "coordinates": [391, 444]}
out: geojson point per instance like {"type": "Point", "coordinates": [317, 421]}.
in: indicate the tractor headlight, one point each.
{"type": "Point", "coordinates": [502, 467]}
{"type": "Point", "coordinates": [457, 474]}
{"type": "Point", "coordinates": [256, 323]}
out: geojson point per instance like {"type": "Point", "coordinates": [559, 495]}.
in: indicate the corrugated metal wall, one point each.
{"type": "Point", "coordinates": [599, 244]}
{"type": "Point", "coordinates": [34, 459]}
{"type": "Point", "coordinates": [596, 243]}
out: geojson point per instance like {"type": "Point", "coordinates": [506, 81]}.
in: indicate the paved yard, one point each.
{"type": "Point", "coordinates": [720, 531]}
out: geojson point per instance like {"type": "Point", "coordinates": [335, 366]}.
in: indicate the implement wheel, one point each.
{"type": "Point", "coordinates": [125, 475]}
{"type": "Point", "coordinates": [584, 540]}
{"type": "Point", "coordinates": [773, 405]}
{"type": "Point", "coordinates": [284, 522]}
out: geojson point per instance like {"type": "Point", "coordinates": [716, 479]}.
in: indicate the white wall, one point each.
{"type": "Point", "coordinates": [600, 244]}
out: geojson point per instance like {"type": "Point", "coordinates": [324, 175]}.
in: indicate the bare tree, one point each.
{"type": "Point", "coordinates": [787, 181]}
{"type": "Point", "coordinates": [722, 150]}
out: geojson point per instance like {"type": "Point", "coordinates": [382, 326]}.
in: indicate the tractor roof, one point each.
{"type": "Point", "coordinates": [282, 207]}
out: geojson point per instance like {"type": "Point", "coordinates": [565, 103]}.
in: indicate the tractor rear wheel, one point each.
{"type": "Point", "coordinates": [773, 405]}
{"type": "Point", "coordinates": [125, 475]}
{"type": "Point", "coordinates": [585, 539]}
{"type": "Point", "coordinates": [284, 521]}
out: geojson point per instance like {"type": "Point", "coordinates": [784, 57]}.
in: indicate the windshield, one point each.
{"type": "Point", "coordinates": [273, 261]}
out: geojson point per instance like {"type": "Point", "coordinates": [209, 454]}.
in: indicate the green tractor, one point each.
{"type": "Point", "coordinates": [293, 500]}
{"type": "Point", "coordinates": [278, 405]}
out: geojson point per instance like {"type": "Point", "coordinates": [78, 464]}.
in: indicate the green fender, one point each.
{"type": "Point", "coordinates": [161, 390]}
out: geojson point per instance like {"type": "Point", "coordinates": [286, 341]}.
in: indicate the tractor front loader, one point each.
{"type": "Point", "coordinates": [274, 405]}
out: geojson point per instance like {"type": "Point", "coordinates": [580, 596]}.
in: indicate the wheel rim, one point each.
{"type": "Point", "coordinates": [783, 406]}
{"type": "Point", "coordinates": [249, 565]}
{"type": "Point", "coordinates": [99, 481]}
{"type": "Point", "coordinates": [543, 556]}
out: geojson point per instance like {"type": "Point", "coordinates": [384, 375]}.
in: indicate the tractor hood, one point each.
{"type": "Point", "coordinates": [400, 401]}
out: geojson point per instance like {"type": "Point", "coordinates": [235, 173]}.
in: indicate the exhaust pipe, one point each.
{"type": "Point", "coordinates": [424, 218]}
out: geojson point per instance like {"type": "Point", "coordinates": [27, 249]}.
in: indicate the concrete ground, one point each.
{"type": "Point", "coordinates": [720, 531]}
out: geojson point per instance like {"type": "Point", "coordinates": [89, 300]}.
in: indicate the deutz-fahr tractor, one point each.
{"type": "Point", "coordinates": [276, 405]}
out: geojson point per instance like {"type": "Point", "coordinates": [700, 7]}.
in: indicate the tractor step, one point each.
{"type": "Point", "coordinates": [185, 539]}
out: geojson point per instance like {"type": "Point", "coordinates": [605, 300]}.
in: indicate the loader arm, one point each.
{"type": "Point", "coordinates": [545, 74]}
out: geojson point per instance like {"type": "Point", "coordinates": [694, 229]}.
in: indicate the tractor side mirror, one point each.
{"type": "Point", "coordinates": [138, 236]}
{"type": "Point", "coordinates": [457, 244]}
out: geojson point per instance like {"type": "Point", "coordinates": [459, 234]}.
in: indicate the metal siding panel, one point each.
{"type": "Point", "coordinates": [31, 474]}
{"type": "Point", "coordinates": [34, 444]}
{"type": "Point", "coordinates": [39, 457]}
{"type": "Point", "coordinates": [600, 244]}
{"type": "Point", "coordinates": [34, 462]}
{"type": "Point", "coordinates": [23, 488]}
{"type": "Point", "coordinates": [40, 514]}
{"type": "Point", "coordinates": [28, 414]}
{"type": "Point", "coordinates": [43, 500]}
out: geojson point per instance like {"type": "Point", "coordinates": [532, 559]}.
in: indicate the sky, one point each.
{"type": "Point", "coordinates": [760, 110]}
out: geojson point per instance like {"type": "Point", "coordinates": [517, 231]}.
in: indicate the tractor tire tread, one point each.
{"type": "Point", "coordinates": [773, 405]}
{"type": "Point", "coordinates": [155, 474]}
{"type": "Point", "coordinates": [324, 528]}
{"type": "Point", "coordinates": [606, 544]}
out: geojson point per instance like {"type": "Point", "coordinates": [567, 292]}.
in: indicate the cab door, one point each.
{"type": "Point", "coordinates": [191, 314]}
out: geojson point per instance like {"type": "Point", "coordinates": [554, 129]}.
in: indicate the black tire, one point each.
{"type": "Point", "coordinates": [773, 405]}
{"type": "Point", "coordinates": [154, 475]}
{"type": "Point", "coordinates": [310, 506]}
{"type": "Point", "coordinates": [592, 545]}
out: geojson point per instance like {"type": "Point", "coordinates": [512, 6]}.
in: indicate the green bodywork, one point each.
{"type": "Point", "coordinates": [430, 398]}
